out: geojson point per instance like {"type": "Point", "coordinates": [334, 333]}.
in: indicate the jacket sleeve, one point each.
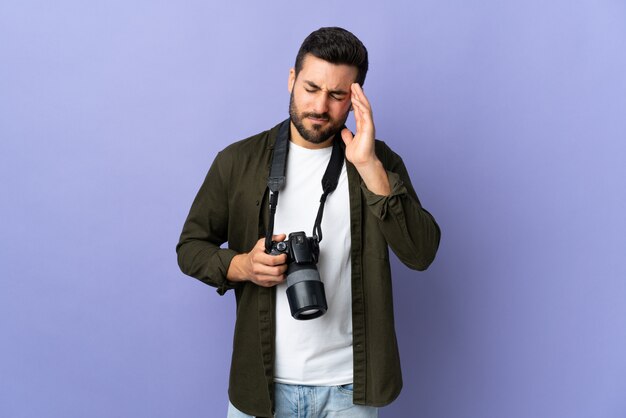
{"type": "Point", "coordinates": [206, 229]}
{"type": "Point", "coordinates": [409, 229]}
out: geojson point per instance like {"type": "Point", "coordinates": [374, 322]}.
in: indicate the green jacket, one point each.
{"type": "Point", "coordinates": [231, 206]}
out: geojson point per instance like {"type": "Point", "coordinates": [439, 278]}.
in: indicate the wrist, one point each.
{"type": "Point", "coordinates": [367, 166]}
{"type": "Point", "coordinates": [375, 177]}
{"type": "Point", "coordinates": [236, 270]}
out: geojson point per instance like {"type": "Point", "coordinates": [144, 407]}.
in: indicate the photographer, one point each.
{"type": "Point", "coordinates": [337, 350]}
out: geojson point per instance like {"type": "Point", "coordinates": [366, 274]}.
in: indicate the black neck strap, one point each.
{"type": "Point", "coordinates": [278, 170]}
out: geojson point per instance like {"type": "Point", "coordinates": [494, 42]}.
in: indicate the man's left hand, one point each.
{"type": "Point", "coordinates": [360, 147]}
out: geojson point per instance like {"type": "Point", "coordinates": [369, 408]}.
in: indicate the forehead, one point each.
{"type": "Point", "coordinates": [326, 74]}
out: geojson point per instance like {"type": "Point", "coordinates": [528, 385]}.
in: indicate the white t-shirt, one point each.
{"type": "Point", "coordinates": [316, 352]}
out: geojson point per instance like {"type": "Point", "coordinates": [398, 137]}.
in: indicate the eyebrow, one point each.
{"type": "Point", "coordinates": [315, 86]}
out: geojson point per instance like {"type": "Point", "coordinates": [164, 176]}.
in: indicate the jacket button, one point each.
{"type": "Point", "coordinates": [257, 203]}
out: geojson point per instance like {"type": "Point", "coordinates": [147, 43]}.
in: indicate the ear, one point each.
{"type": "Point", "coordinates": [292, 80]}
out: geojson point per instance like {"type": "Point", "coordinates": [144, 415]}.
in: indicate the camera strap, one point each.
{"type": "Point", "coordinates": [278, 171]}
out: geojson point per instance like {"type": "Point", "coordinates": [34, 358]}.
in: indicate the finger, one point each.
{"type": "Point", "coordinates": [347, 136]}
{"type": "Point", "coordinates": [355, 99]}
{"type": "Point", "coordinates": [362, 113]}
{"type": "Point", "coordinates": [270, 277]}
{"type": "Point", "coordinates": [279, 237]}
{"type": "Point", "coordinates": [269, 281]}
{"type": "Point", "coordinates": [259, 254]}
{"type": "Point", "coordinates": [362, 105]}
{"type": "Point", "coordinates": [270, 260]}
{"type": "Point", "coordinates": [358, 112]}
{"type": "Point", "coordinates": [360, 94]}
{"type": "Point", "coordinates": [357, 93]}
{"type": "Point", "coordinates": [269, 271]}
{"type": "Point", "coordinates": [260, 244]}
{"type": "Point", "coordinates": [276, 238]}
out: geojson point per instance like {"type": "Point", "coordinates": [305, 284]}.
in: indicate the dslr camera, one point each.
{"type": "Point", "coordinates": [305, 290]}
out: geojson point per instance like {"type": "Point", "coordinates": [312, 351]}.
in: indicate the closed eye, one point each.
{"type": "Point", "coordinates": [311, 87]}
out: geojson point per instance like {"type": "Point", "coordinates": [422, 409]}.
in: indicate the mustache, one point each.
{"type": "Point", "coordinates": [324, 116]}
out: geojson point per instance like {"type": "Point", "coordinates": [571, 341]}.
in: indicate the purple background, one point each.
{"type": "Point", "coordinates": [511, 117]}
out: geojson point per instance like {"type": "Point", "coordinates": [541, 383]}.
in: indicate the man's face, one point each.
{"type": "Point", "coordinates": [320, 98]}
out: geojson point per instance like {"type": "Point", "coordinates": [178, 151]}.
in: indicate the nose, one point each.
{"type": "Point", "coordinates": [320, 105]}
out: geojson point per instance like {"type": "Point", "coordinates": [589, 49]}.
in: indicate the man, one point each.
{"type": "Point", "coordinates": [345, 362]}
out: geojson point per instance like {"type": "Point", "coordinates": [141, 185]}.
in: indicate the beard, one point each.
{"type": "Point", "coordinates": [317, 134]}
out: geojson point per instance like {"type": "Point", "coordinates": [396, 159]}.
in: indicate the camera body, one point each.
{"type": "Point", "coordinates": [298, 247]}
{"type": "Point", "coordinates": [305, 290]}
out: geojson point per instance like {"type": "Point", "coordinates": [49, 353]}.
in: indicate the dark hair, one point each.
{"type": "Point", "coordinates": [337, 46]}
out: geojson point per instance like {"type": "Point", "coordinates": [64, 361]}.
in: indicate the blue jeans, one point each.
{"type": "Point", "coordinates": [294, 401]}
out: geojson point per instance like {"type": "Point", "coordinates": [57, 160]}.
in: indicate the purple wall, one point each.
{"type": "Point", "coordinates": [510, 115]}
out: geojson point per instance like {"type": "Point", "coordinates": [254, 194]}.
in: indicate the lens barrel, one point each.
{"type": "Point", "coordinates": [305, 292]}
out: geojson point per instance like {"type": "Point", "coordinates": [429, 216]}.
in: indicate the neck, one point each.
{"type": "Point", "coordinates": [297, 139]}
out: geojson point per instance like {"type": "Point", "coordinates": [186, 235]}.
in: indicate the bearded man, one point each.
{"type": "Point", "coordinates": [339, 356]}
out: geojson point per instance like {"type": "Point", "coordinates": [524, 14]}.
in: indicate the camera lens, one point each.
{"type": "Point", "coordinates": [305, 292]}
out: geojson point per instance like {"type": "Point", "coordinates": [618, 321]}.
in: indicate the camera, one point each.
{"type": "Point", "coordinates": [305, 290]}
